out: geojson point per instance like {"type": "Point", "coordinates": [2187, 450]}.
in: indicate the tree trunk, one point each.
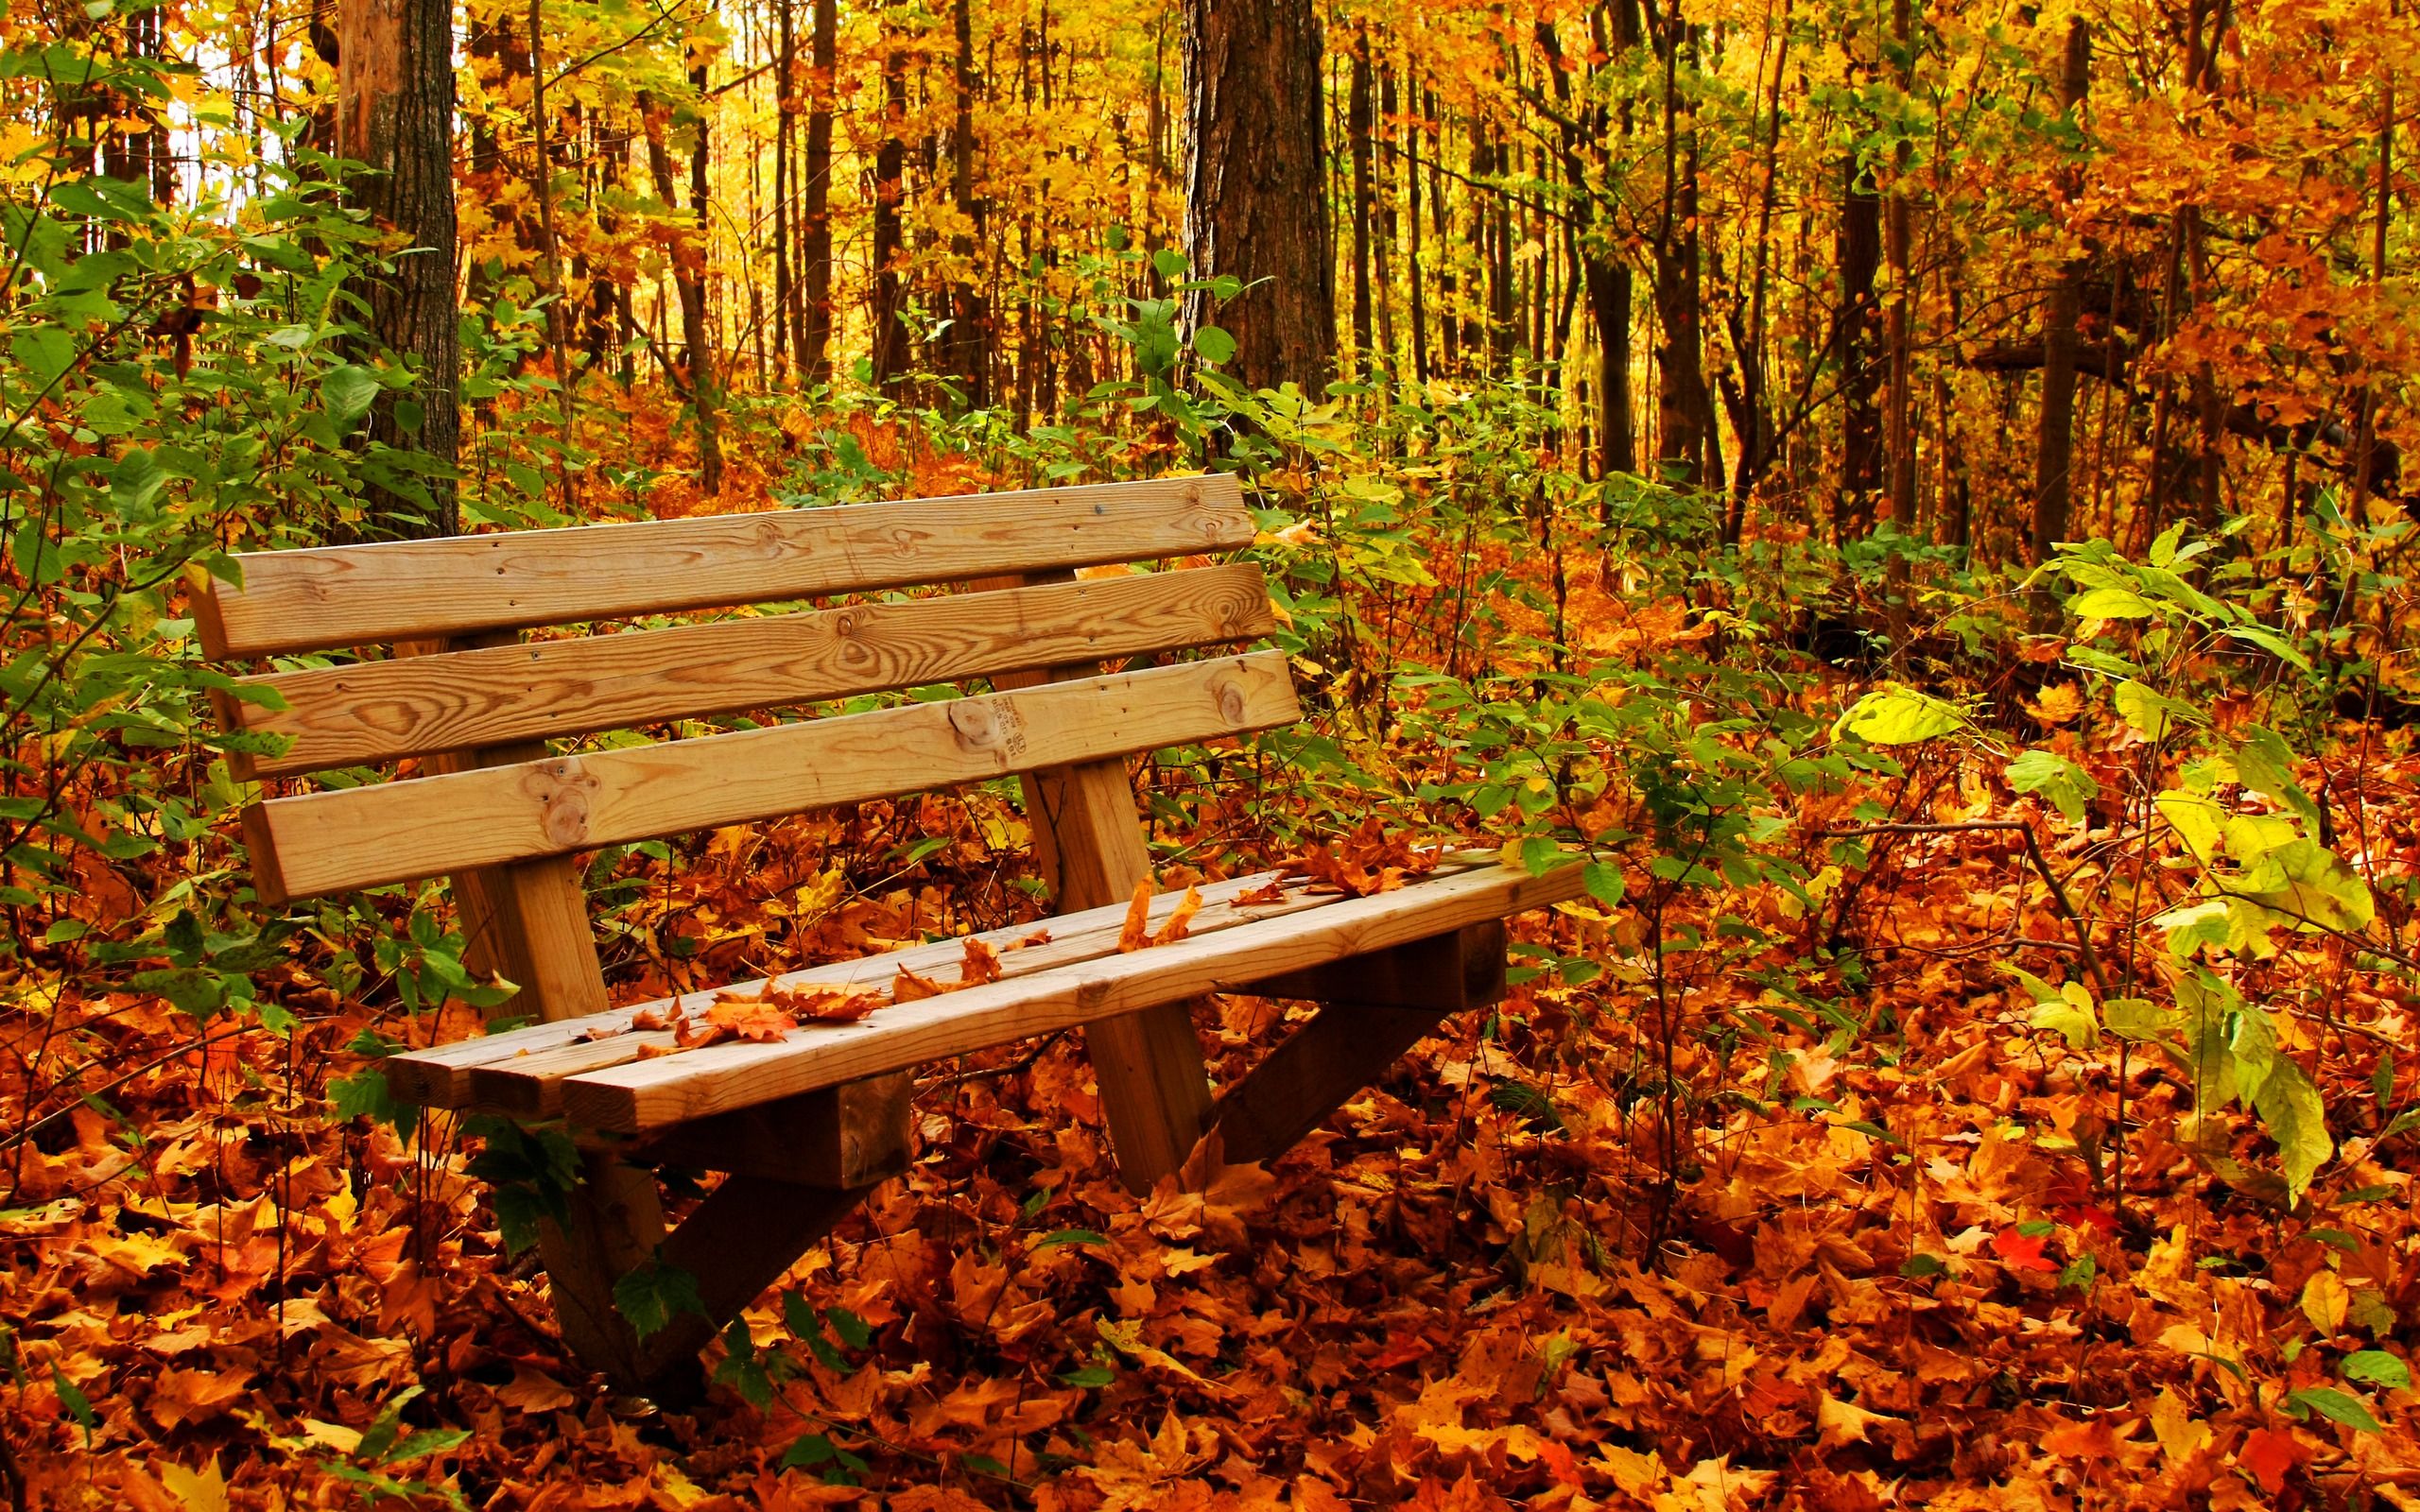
{"type": "Point", "coordinates": [1253, 205]}
{"type": "Point", "coordinates": [814, 304]}
{"type": "Point", "coordinates": [785, 133]}
{"type": "Point", "coordinates": [970, 344]}
{"type": "Point", "coordinates": [1860, 366]}
{"type": "Point", "coordinates": [1356, 130]}
{"type": "Point", "coordinates": [2054, 443]}
{"type": "Point", "coordinates": [888, 337]}
{"type": "Point", "coordinates": [1898, 405]}
{"type": "Point", "coordinates": [689, 282]}
{"type": "Point", "coordinates": [1681, 406]}
{"type": "Point", "coordinates": [395, 113]}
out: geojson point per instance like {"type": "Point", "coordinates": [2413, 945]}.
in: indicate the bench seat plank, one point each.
{"type": "Point", "coordinates": [521, 1071]}
{"type": "Point", "coordinates": [398, 831]}
{"type": "Point", "coordinates": [652, 1093]}
{"type": "Point", "coordinates": [494, 695]}
{"type": "Point", "coordinates": [330, 596]}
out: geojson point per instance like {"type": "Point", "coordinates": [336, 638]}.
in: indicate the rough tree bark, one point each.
{"type": "Point", "coordinates": [1861, 382]}
{"type": "Point", "coordinates": [1254, 206]}
{"type": "Point", "coordinates": [814, 309]}
{"type": "Point", "coordinates": [2054, 445]}
{"type": "Point", "coordinates": [689, 281]}
{"type": "Point", "coordinates": [970, 330]}
{"type": "Point", "coordinates": [395, 113]}
{"type": "Point", "coordinates": [888, 337]}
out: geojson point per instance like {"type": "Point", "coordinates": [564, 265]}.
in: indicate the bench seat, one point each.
{"type": "Point", "coordinates": [599, 1074]}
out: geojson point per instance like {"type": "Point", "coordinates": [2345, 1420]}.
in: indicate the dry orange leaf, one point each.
{"type": "Point", "coordinates": [1137, 932]}
{"type": "Point", "coordinates": [982, 964]}
{"type": "Point", "coordinates": [757, 1019]}
{"type": "Point", "coordinates": [907, 987]}
{"type": "Point", "coordinates": [1180, 922]}
{"type": "Point", "coordinates": [823, 1005]}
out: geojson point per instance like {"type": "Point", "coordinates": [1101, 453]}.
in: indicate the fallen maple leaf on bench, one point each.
{"type": "Point", "coordinates": [1366, 862]}
{"type": "Point", "coordinates": [981, 964]}
{"type": "Point", "coordinates": [1137, 935]}
{"type": "Point", "coordinates": [734, 1019]}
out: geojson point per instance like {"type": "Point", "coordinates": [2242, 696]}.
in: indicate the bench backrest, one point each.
{"type": "Point", "coordinates": [472, 702]}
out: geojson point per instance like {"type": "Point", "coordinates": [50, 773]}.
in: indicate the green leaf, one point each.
{"type": "Point", "coordinates": [741, 1370]}
{"type": "Point", "coordinates": [853, 1331]}
{"type": "Point", "coordinates": [648, 1297]}
{"type": "Point", "coordinates": [1603, 882]}
{"type": "Point", "coordinates": [1918, 1266]}
{"type": "Point", "coordinates": [2266, 764]}
{"type": "Point", "coordinates": [1090, 1375]}
{"type": "Point", "coordinates": [2378, 1368]}
{"type": "Point", "coordinates": [2335, 1406]}
{"type": "Point", "coordinates": [1898, 716]}
{"type": "Point", "coordinates": [1069, 1236]}
{"type": "Point", "coordinates": [78, 1406]}
{"type": "Point", "coordinates": [1213, 345]}
{"type": "Point", "coordinates": [2291, 1110]}
{"type": "Point", "coordinates": [348, 391]}
{"type": "Point", "coordinates": [1539, 854]}
{"type": "Point", "coordinates": [2067, 786]}
{"type": "Point", "coordinates": [2137, 1018]}
{"type": "Point", "coordinates": [2153, 714]}
{"type": "Point", "coordinates": [2112, 604]}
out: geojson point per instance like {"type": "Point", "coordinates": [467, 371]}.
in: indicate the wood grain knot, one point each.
{"type": "Point", "coordinates": [988, 724]}
{"type": "Point", "coordinates": [561, 788]}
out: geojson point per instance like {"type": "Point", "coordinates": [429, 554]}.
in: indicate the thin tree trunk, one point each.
{"type": "Point", "coordinates": [970, 316]}
{"type": "Point", "coordinates": [1860, 365]}
{"type": "Point", "coordinates": [395, 113]}
{"type": "Point", "coordinates": [1357, 130]}
{"type": "Point", "coordinates": [1898, 404]}
{"type": "Point", "coordinates": [814, 304]}
{"type": "Point", "coordinates": [2054, 445]}
{"type": "Point", "coordinates": [784, 132]}
{"type": "Point", "coordinates": [888, 337]}
{"type": "Point", "coordinates": [696, 375]}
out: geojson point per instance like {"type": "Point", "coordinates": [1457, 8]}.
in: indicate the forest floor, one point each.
{"type": "Point", "coordinates": [1936, 1259]}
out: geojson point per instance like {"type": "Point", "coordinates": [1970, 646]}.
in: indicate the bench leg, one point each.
{"type": "Point", "coordinates": [797, 1167]}
{"type": "Point", "coordinates": [743, 1236]}
{"type": "Point", "coordinates": [614, 1223]}
{"type": "Point", "coordinates": [1375, 1007]}
{"type": "Point", "coordinates": [1341, 1051]}
{"type": "Point", "coordinates": [1155, 1090]}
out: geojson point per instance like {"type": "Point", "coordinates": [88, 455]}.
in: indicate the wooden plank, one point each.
{"type": "Point", "coordinates": [716, 1078]}
{"type": "Point", "coordinates": [1338, 1052]}
{"type": "Point", "coordinates": [739, 1241]}
{"type": "Point", "coordinates": [1447, 972]}
{"type": "Point", "coordinates": [539, 1054]}
{"type": "Point", "coordinates": [1376, 1007]}
{"type": "Point", "coordinates": [331, 596]}
{"type": "Point", "coordinates": [379, 711]}
{"type": "Point", "coordinates": [393, 831]}
{"type": "Point", "coordinates": [849, 1136]}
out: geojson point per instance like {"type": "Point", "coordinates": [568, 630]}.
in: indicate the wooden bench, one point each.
{"type": "Point", "coordinates": [806, 1123]}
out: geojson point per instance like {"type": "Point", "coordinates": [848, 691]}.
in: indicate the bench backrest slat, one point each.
{"type": "Point", "coordinates": [394, 831]}
{"type": "Point", "coordinates": [329, 597]}
{"type": "Point", "coordinates": [494, 695]}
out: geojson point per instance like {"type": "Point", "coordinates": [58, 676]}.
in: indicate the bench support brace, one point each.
{"type": "Point", "coordinates": [1375, 1007]}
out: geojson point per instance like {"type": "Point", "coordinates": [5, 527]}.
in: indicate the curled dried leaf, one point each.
{"type": "Point", "coordinates": [823, 1005]}
{"type": "Point", "coordinates": [1181, 922]}
{"type": "Point", "coordinates": [1137, 932]}
{"type": "Point", "coordinates": [982, 964]}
